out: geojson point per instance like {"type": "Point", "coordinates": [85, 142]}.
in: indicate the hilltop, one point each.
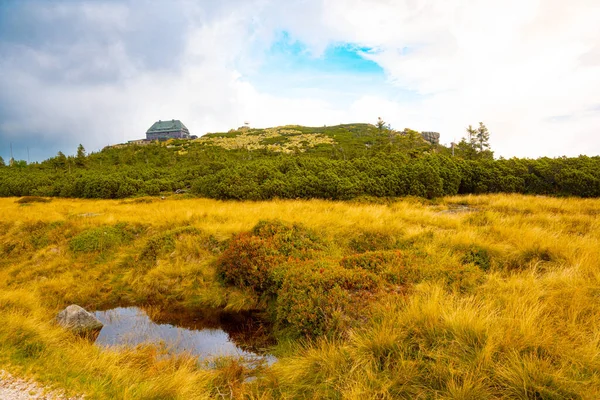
{"type": "Point", "coordinates": [346, 141]}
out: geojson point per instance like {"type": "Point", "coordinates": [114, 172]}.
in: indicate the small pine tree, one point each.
{"type": "Point", "coordinates": [80, 151]}
{"type": "Point", "coordinates": [476, 145]}
{"type": "Point", "coordinates": [80, 158]}
{"type": "Point", "coordinates": [472, 134]}
{"type": "Point", "coordinates": [483, 137]}
{"type": "Point", "coordinates": [380, 124]}
{"type": "Point", "coordinates": [2, 163]}
{"type": "Point", "coordinates": [60, 161]}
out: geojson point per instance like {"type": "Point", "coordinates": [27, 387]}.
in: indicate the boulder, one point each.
{"type": "Point", "coordinates": [78, 320]}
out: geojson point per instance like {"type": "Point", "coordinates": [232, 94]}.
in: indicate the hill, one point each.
{"type": "Point", "coordinates": [339, 162]}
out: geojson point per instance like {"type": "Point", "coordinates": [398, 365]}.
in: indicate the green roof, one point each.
{"type": "Point", "coordinates": [167, 126]}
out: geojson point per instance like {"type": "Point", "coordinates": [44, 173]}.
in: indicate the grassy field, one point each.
{"type": "Point", "coordinates": [477, 297]}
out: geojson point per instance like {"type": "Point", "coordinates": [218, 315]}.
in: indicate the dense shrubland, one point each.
{"type": "Point", "coordinates": [469, 297]}
{"type": "Point", "coordinates": [355, 160]}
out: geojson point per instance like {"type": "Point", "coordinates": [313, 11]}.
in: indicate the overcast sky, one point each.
{"type": "Point", "coordinates": [101, 72]}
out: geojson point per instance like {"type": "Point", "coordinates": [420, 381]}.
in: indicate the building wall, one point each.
{"type": "Point", "coordinates": [431, 137]}
{"type": "Point", "coordinates": [167, 135]}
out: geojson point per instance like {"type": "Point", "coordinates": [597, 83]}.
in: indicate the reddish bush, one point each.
{"type": "Point", "coordinates": [247, 262]}
{"type": "Point", "coordinates": [250, 257]}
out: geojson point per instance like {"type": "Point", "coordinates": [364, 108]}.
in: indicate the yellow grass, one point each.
{"type": "Point", "coordinates": [528, 327]}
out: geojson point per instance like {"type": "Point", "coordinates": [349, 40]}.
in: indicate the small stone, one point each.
{"type": "Point", "coordinates": [88, 215]}
{"type": "Point", "coordinates": [78, 320]}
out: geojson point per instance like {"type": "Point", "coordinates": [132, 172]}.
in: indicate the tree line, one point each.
{"type": "Point", "coordinates": [429, 176]}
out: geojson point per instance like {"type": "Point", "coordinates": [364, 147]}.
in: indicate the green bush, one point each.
{"type": "Point", "coordinates": [478, 256]}
{"type": "Point", "coordinates": [321, 298]}
{"type": "Point", "coordinates": [375, 261]}
{"type": "Point", "coordinates": [349, 170]}
{"type": "Point", "coordinates": [392, 266]}
{"type": "Point", "coordinates": [101, 239]}
{"type": "Point", "coordinates": [372, 241]}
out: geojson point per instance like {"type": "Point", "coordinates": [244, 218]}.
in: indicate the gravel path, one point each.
{"type": "Point", "coordinates": [12, 388]}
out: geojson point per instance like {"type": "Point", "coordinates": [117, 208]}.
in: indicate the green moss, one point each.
{"type": "Point", "coordinates": [373, 240]}
{"type": "Point", "coordinates": [478, 256]}
{"type": "Point", "coordinates": [102, 239]}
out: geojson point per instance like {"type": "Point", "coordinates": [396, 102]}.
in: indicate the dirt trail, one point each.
{"type": "Point", "coordinates": [12, 388]}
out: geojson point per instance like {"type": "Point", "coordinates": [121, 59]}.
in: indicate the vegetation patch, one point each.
{"type": "Point", "coordinates": [374, 240]}
{"type": "Point", "coordinates": [319, 298]}
{"type": "Point", "coordinates": [250, 258]}
{"type": "Point", "coordinates": [32, 199]}
{"type": "Point", "coordinates": [163, 243]}
{"type": "Point", "coordinates": [278, 140]}
{"type": "Point", "coordinates": [103, 238]}
{"type": "Point", "coordinates": [479, 256]}
{"type": "Point", "coordinates": [394, 267]}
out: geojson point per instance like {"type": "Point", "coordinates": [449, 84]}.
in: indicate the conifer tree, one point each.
{"type": "Point", "coordinates": [80, 158]}
{"type": "Point", "coordinates": [482, 137]}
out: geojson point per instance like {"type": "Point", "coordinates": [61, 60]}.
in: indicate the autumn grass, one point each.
{"type": "Point", "coordinates": [502, 299]}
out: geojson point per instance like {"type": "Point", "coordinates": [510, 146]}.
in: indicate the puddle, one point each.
{"type": "Point", "coordinates": [206, 335]}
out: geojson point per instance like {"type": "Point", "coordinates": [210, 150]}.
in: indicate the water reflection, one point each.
{"type": "Point", "coordinates": [206, 335]}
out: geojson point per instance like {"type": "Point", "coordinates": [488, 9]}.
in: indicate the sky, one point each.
{"type": "Point", "coordinates": [102, 72]}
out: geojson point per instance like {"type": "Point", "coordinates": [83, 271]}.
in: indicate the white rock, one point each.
{"type": "Point", "coordinates": [78, 320]}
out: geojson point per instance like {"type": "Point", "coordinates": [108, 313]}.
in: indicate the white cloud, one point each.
{"type": "Point", "coordinates": [530, 69]}
{"type": "Point", "coordinates": [513, 64]}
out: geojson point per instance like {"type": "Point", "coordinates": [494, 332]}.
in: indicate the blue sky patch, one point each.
{"type": "Point", "coordinates": [291, 55]}
{"type": "Point", "coordinates": [340, 74]}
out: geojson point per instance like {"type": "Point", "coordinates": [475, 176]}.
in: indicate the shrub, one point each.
{"type": "Point", "coordinates": [393, 266]}
{"type": "Point", "coordinates": [375, 261]}
{"type": "Point", "coordinates": [321, 298]}
{"type": "Point", "coordinates": [372, 241]}
{"type": "Point", "coordinates": [290, 240]}
{"type": "Point", "coordinates": [478, 256]}
{"type": "Point", "coordinates": [247, 262]}
{"type": "Point", "coordinates": [249, 259]}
